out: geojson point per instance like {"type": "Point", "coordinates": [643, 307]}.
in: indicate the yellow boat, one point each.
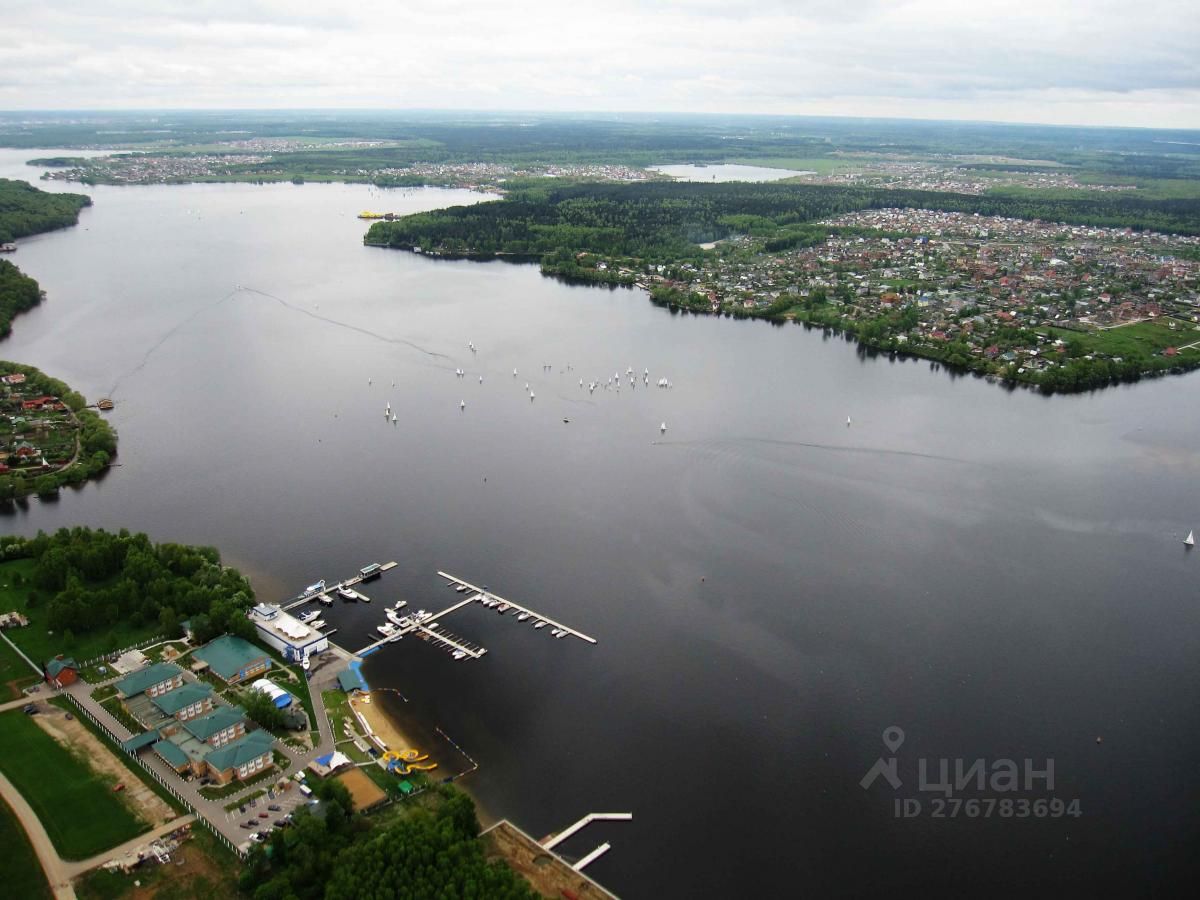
{"type": "Point", "coordinates": [367, 214]}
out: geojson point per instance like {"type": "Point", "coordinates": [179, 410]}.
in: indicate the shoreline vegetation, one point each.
{"type": "Point", "coordinates": [25, 211]}
{"type": "Point", "coordinates": [649, 235]}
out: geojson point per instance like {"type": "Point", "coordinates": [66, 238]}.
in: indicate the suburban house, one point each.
{"type": "Point", "coordinates": [221, 726]}
{"type": "Point", "coordinates": [153, 681]}
{"type": "Point", "coordinates": [233, 659]}
{"type": "Point", "coordinates": [61, 671]}
{"type": "Point", "coordinates": [187, 702]}
{"type": "Point", "coordinates": [244, 758]}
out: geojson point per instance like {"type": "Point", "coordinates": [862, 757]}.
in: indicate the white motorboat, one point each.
{"type": "Point", "coordinates": [522, 617]}
{"type": "Point", "coordinates": [540, 624]}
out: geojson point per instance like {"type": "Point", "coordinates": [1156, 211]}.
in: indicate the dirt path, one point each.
{"type": "Point", "coordinates": [73, 735]}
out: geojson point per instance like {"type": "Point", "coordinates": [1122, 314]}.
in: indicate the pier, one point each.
{"type": "Point", "coordinates": [323, 591]}
{"type": "Point", "coordinates": [431, 620]}
{"type": "Point", "coordinates": [454, 579]}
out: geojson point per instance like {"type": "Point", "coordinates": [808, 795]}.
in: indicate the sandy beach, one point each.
{"type": "Point", "coordinates": [383, 725]}
{"type": "Point", "coordinates": [379, 709]}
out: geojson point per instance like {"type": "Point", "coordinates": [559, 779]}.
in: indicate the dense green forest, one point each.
{"type": "Point", "coordinates": [88, 580]}
{"type": "Point", "coordinates": [24, 210]}
{"type": "Point", "coordinates": [420, 854]}
{"type": "Point", "coordinates": [18, 293]}
{"type": "Point", "coordinates": [97, 439]}
{"type": "Point", "coordinates": [660, 221]}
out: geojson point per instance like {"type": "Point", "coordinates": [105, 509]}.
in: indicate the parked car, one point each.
{"type": "Point", "coordinates": [282, 823]}
{"type": "Point", "coordinates": [263, 815]}
{"type": "Point", "coordinates": [242, 808]}
{"type": "Point", "coordinates": [69, 717]}
{"type": "Point", "coordinates": [243, 825]}
{"type": "Point", "coordinates": [256, 837]}
{"type": "Point", "coordinates": [275, 808]}
{"type": "Point", "coordinates": [29, 709]}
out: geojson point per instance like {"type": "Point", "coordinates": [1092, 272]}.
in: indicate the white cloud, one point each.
{"type": "Point", "coordinates": [1097, 62]}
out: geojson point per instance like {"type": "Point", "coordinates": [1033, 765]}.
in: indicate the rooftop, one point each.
{"type": "Point", "coordinates": [249, 747]}
{"type": "Point", "coordinates": [139, 681]}
{"type": "Point", "coordinates": [228, 655]}
{"type": "Point", "coordinates": [220, 718]}
{"type": "Point", "coordinates": [191, 692]}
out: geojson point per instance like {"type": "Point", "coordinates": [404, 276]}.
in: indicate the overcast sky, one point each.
{"type": "Point", "coordinates": [1098, 62]}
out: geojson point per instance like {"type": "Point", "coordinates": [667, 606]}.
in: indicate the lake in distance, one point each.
{"type": "Point", "coordinates": [1000, 575]}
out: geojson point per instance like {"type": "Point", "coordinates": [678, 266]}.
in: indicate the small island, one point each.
{"type": "Point", "coordinates": [48, 435]}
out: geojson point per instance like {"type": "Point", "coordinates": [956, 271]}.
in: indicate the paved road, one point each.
{"type": "Point", "coordinates": [52, 864]}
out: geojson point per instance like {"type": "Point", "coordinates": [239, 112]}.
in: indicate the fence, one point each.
{"type": "Point", "coordinates": [105, 657]}
{"type": "Point", "coordinates": [170, 788]}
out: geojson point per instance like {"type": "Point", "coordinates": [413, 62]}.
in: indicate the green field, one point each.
{"type": "Point", "coordinates": [77, 807]}
{"type": "Point", "coordinates": [42, 646]}
{"type": "Point", "coordinates": [19, 867]}
{"type": "Point", "coordinates": [1142, 338]}
{"type": "Point", "coordinates": [135, 771]}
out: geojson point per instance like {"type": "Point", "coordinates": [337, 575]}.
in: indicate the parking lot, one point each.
{"type": "Point", "coordinates": [268, 811]}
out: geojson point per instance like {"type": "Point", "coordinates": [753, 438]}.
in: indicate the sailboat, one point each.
{"type": "Point", "coordinates": [1190, 540]}
{"type": "Point", "coordinates": [662, 428]}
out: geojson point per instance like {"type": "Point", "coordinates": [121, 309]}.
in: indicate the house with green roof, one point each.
{"type": "Point", "coordinates": [172, 755]}
{"type": "Point", "coordinates": [244, 758]}
{"type": "Point", "coordinates": [61, 671]}
{"type": "Point", "coordinates": [233, 659]}
{"type": "Point", "coordinates": [187, 702]}
{"type": "Point", "coordinates": [153, 681]}
{"type": "Point", "coordinates": [219, 727]}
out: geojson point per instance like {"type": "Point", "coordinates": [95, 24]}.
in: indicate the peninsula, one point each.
{"type": "Point", "coordinates": [1055, 292]}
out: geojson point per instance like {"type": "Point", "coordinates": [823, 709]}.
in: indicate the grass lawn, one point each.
{"type": "Point", "coordinates": [1146, 338]}
{"type": "Point", "coordinates": [135, 770]}
{"type": "Point", "coordinates": [19, 866]}
{"type": "Point", "coordinates": [37, 642]}
{"type": "Point", "coordinates": [77, 807]}
{"type": "Point", "coordinates": [15, 673]}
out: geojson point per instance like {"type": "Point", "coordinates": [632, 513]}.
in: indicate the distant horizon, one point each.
{"type": "Point", "coordinates": [575, 113]}
{"type": "Point", "coordinates": [1074, 63]}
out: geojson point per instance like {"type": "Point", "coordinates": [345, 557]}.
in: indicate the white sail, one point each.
{"type": "Point", "coordinates": [1190, 540]}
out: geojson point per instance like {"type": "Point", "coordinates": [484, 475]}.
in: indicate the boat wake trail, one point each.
{"type": "Point", "coordinates": [371, 334]}
{"type": "Point", "coordinates": [112, 392]}
{"type": "Point", "coordinates": [809, 445]}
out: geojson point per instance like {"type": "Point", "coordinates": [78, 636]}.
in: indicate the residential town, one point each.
{"type": "Point", "coordinates": [37, 432]}
{"type": "Point", "coordinates": [1022, 294]}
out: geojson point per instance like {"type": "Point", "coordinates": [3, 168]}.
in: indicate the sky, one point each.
{"type": "Point", "coordinates": [1081, 62]}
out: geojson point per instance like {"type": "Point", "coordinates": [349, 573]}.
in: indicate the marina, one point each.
{"type": "Point", "coordinates": [427, 625]}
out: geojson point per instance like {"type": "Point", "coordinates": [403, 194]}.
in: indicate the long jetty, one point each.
{"type": "Point", "coordinates": [454, 579]}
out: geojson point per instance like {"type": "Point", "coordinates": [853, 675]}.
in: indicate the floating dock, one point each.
{"type": "Point", "coordinates": [322, 592]}
{"type": "Point", "coordinates": [454, 579]}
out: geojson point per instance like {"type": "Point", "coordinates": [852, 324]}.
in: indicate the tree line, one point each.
{"type": "Point", "coordinates": [426, 852]}
{"type": "Point", "coordinates": [96, 578]}
{"type": "Point", "coordinates": [25, 210]}
{"type": "Point", "coordinates": [660, 221]}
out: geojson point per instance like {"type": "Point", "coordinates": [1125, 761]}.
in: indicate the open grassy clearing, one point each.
{"type": "Point", "coordinates": [1147, 338]}
{"type": "Point", "coordinates": [77, 807]}
{"type": "Point", "coordinates": [19, 867]}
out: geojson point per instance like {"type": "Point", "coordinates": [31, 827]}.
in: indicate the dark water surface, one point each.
{"type": "Point", "coordinates": [999, 574]}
